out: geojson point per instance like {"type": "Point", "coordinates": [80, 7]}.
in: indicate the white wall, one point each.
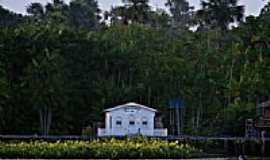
{"type": "Point", "coordinates": [126, 115]}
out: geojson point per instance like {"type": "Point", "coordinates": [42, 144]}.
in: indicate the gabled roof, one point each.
{"type": "Point", "coordinates": [131, 104]}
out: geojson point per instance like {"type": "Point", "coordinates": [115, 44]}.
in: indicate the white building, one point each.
{"type": "Point", "coordinates": [130, 119]}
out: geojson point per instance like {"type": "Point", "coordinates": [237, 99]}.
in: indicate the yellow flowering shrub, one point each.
{"type": "Point", "coordinates": [108, 148]}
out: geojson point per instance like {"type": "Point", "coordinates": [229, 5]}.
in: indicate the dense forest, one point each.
{"type": "Point", "coordinates": [62, 64]}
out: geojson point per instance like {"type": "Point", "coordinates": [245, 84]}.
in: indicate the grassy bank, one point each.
{"type": "Point", "coordinates": [129, 148]}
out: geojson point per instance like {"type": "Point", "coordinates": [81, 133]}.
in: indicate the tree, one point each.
{"type": "Point", "coordinates": [79, 14]}
{"type": "Point", "coordinates": [220, 13]}
{"type": "Point", "coordinates": [36, 10]}
{"type": "Point", "coordinates": [159, 19]}
{"type": "Point", "coordinates": [181, 13]}
{"type": "Point", "coordinates": [55, 13]}
{"type": "Point", "coordinates": [219, 76]}
{"type": "Point", "coordinates": [4, 95]}
{"type": "Point", "coordinates": [266, 10]}
{"type": "Point", "coordinates": [84, 14]}
{"type": "Point", "coordinates": [46, 86]}
{"type": "Point", "coordinates": [133, 11]}
{"type": "Point", "coordinates": [9, 19]}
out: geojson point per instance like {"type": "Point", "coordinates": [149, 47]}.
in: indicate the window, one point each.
{"type": "Point", "coordinates": [144, 123]}
{"type": "Point", "coordinates": [131, 109]}
{"type": "Point", "coordinates": [119, 123]}
{"type": "Point", "coordinates": [131, 122]}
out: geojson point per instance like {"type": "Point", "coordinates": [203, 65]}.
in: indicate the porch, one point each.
{"type": "Point", "coordinates": [163, 132]}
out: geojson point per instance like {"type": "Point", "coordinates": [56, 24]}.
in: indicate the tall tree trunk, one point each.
{"type": "Point", "coordinates": [198, 115]}
{"type": "Point", "coordinates": [45, 116]}
{"type": "Point", "coordinates": [49, 120]}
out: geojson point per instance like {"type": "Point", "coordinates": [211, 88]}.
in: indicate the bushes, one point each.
{"type": "Point", "coordinates": [129, 148]}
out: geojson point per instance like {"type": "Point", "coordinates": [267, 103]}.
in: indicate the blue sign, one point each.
{"type": "Point", "coordinates": [176, 103]}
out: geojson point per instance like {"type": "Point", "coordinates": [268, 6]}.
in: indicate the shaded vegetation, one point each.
{"type": "Point", "coordinates": [63, 64]}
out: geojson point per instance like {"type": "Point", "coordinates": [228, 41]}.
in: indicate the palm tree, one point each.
{"type": "Point", "coordinates": [220, 13]}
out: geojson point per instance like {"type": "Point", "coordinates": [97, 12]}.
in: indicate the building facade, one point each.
{"type": "Point", "coordinates": [130, 119]}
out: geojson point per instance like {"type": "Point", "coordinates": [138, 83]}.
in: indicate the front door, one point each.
{"type": "Point", "coordinates": [133, 126]}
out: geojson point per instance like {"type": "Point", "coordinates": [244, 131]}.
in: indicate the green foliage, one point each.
{"type": "Point", "coordinates": [133, 11]}
{"type": "Point", "coordinates": [9, 19]}
{"type": "Point", "coordinates": [58, 72]}
{"type": "Point", "coordinates": [84, 14]}
{"type": "Point", "coordinates": [88, 131]}
{"type": "Point", "coordinates": [78, 15]}
{"type": "Point", "coordinates": [235, 117]}
{"type": "Point", "coordinates": [129, 148]}
{"type": "Point", "coordinates": [181, 13]}
{"type": "Point", "coordinates": [220, 13]}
